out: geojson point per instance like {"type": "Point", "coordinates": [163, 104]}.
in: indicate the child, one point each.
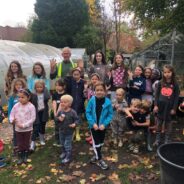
{"type": "Point", "coordinates": [38, 73]}
{"type": "Point", "coordinates": [75, 88]}
{"type": "Point", "coordinates": [118, 123]}
{"type": "Point", "coordinates": [17, 84]}
{"type": "Point", "coordinates": [148, 94]}
{"type": "Point", "coordinates": [140, 121]}
{"type": "Point", "coordinates": [137, 84]}
{"type": "Point", "coordinates": [23, 115]}
{"type": "Point", "coordinates": [119, 74]}
{"type": "Point", "coordinates": [89, 91]}
{"type": "Point", "coordinates": [67, 120]}
{"type": "Point", "coordinates": [56, 96]}
{"type": "Point", "coordinates": [14, 72]}
{"type": "Point", "coordinates": [166, 101]}
{"type": "Point", "coordinates": [99, 114]}
{"type": "Point", "coordinates": [40, 101]}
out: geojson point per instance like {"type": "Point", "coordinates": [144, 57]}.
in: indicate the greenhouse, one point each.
{"type": "Point", "coordinates": [29, 53]}
{"type": "Point", "coordinates": [167, 50]}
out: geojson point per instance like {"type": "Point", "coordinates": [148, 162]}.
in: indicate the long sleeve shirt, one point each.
{"type": "Point", "coordinates": [23, 114]}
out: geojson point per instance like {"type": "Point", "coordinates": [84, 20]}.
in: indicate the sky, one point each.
{"type": "Point", "coordinates": [18, 12]}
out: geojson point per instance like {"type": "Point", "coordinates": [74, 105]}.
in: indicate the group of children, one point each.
{"type": "Point", "coordinates": [124, 107]}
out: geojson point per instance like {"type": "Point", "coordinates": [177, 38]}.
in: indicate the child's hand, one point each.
{"type": "Point", "coordinates": [102, 127]}
{"type": "Point", "coordinates": [155, 110]}
{"type": "Point", "coordinates": [135, 87]}
{"type": "Point", "coordinates": [19, 125]}
{"type": "Point", "coordinates": [173, 112]}
{"type": "Point", "coordinates": [73, 125]}
{"type": "Point", "coordinates": [95, 126]}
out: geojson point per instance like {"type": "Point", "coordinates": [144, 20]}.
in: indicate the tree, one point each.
{"type": "Point", "coordinates": [58, 22]}
{"type": "Point", "coordinates": [159, 16]}
{"type": "Point", "coordinates": [89, 38]}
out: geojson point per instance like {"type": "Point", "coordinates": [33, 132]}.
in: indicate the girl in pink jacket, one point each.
{"type": "Point", "coordinates": [23, 115]}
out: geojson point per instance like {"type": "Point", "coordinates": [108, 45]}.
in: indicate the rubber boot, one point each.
{"type": "Point", "coordinates": [32, 146]}
{"type": "Point", "coordinates": [25, 157]}
{"type": "Point", "coordinates": [77, 134]}
{"type": "Point", "coordinates": [20, 158]}
{"type": "Point", "coordinates": [42, 140]}
{"type": "Point", "coordinates": [158, 138]}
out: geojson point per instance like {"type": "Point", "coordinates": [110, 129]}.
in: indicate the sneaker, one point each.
{"type": "Point", "coordinates": [131, 147]}
{"type": "Point", "coordinates": [67, 158]}
{"type": "Point", "coordinates": [2, 164]}
{"type": "Point", "coordinates": [93, 160]}
{"type": "Point", "coordinates": [120, 143]}
{"type": "Point", "coordinates": [102, 165]}
{"type": "Point", "coordinates": [156, 144]}
{"type": "Point", "coordinates": [136, 149]}
{"type": "Point", "coordinates": [57, 144]}
{"type": "Point", "coordinates": [115, 141]}
{"type": "Point", "coordinates": [2, 158]}
{"type": "Point", "coordinates": [63, 155]}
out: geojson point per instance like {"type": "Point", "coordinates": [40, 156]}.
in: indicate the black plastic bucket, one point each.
{"type": "Point", "coordinates": [171, 163]}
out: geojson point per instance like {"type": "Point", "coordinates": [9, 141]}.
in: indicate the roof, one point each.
{"type": "Point", "coordinates": [12, 33]}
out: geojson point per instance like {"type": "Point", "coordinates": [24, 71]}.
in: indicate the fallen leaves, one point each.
{"type": "Point", "coordinates": [94, 177]}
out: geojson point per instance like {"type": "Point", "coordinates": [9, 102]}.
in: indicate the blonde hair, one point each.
{"type": "Point", "coordinates": [41, 82]}
{"type": "Point", "coordinates": [68, 98]}
{"type": "Point", "coordinates": [121, 90]}
{"type": "Point", "coordinates": [136, 102]}
{"type": "Point", "coordinates": [145, 105]}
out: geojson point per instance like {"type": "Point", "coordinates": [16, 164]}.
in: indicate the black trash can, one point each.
{"type": "Point", "coordinates": [171, 163]}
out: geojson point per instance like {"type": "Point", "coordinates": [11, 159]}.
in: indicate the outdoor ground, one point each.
{"type": "Point", "coordinates": [44, 167]}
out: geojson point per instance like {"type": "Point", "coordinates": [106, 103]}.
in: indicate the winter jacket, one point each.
{"type": "Point", "coordinates": [106, 114]}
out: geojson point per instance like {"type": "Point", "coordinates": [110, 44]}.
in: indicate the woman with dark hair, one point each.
{"type": "Point", "coordinates": [14, 71]}
{"type": "Point", "coordinates": [38, 73]}
{"type": "Point", "coordinates": [99, 65]}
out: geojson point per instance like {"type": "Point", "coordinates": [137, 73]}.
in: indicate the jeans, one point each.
{"type": "Point", "coordinates": [65, 141]}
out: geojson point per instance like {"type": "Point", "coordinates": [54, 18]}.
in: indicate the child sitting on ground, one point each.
{"type": "Point", "coordinates": [118, 123]}
{"type": "Point", "coordinates": [67, 120]}
{"type": "Point", "coordinates": [139, 121]}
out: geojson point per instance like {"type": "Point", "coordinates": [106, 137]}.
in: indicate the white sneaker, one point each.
{"type": "Point", "coordinates": [120, 143]}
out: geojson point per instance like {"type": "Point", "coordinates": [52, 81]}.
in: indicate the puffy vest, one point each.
{"type": "Point", "coordinates": [59, 68]}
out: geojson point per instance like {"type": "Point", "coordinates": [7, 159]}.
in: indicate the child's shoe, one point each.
{"type": "Point", "coordinates": [63, 155]}
{"type": "Point", "coordinates": [131, 147]}
{"type": "Point", "coordinates": [25, 158]}
{"type": "Point", "coordinates": [2, 158]}
{"type": "Point", "coordinates": [20, 158]}
{"type": "Point", "coordinates": [115, 141]}
{"type": "Point", "coordinates": [32, 146]}
{"type": "Point", "coordinates": [120, 143]}
{"type": "Point", "coordinates": [149, 148]}
{"type": "Point", "coordinates": [56, 144]}
{"type": "Point", "coordinates": [93, 160]}
{"type": "Point", "coordinates": [67, 158]}
{"type": "Point", "coordinates": [77, 134]}
{"type": "Point", "coordinates": [2, 164]}
{"type": "Point", "coordinates": [102, 164]}
{"type": "Point", "coordinates": [42, 140]}
{"type": "Point", "coordinates": [136, 149]}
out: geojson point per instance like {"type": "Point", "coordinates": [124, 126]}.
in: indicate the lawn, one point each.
{"type": "Point", "coordinates": [45, 167]}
